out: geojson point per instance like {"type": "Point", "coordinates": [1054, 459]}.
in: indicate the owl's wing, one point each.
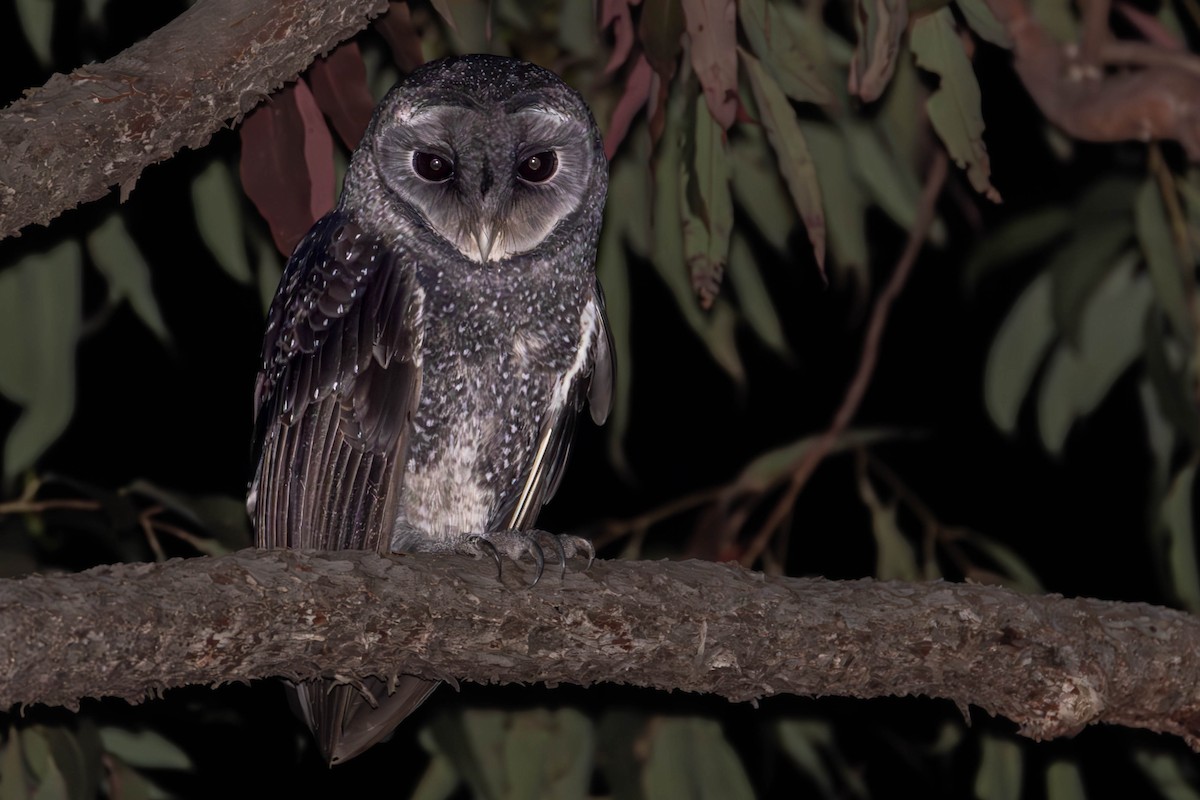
{"type": "Point", "coordinates": [591, 377]}
{"type": "Point", "coordinates": [340, 380]}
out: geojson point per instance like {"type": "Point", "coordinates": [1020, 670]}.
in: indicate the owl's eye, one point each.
{"type": "Point", "coordinates": [538, 168]}
{"type": "Point", "coordinates": [433, 167]}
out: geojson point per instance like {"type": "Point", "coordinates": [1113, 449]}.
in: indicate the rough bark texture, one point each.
{"type": "Point", "coordinates": [1051, 664]}
{"type": "Point", "coordinates": [71, 140]}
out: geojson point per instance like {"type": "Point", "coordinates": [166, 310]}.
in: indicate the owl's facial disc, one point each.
{"type": "Point", "coordinates": [493, 180]}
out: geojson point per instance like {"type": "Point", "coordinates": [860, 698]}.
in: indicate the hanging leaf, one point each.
{"type": "Point", "coordinates": [1015, 241]}
{"type": "Point", "coordinates": [758, 187]}
{"type": "Point", "coordinates": [1000, 767]}
{"type": "Point", "coordinates": [217, 205]}
{"type": "Point", "coordinates": [1165, 775]}
{"type": "Point", "coordinates": [41, 306]}
{"type": "Point", "coordinates": [1078, 268]}
{"type": "Point", "coordinates": [145, 749]}
{"type": "Point", "coordinates": [879, 25]}
{"type": "Point", "coordinates": [443, 8]}
{"type": "Point", "coordinates": [396, 28]}
{"type": "Point", "coordinates": [779, 50]}
{"type": "Point", "coordinates": [339, 88]}
{"type": "Point", "coordinates": [1162, 258]}
{"type": "Point", "coordinates": [1020, 347]}
{"type": "Point", "coordinates": [984, 23]}
{"type": "Point", "coordinates": [955, 109]}
{"type": "Point", "coordinates": [690, 757]}
{"type": "Point", "coordinates": [753, 298]}
{"type": "Point", "coordinates": [37, 23]}
{"type": "Point", "coordinates": [783, 132]}
{"type": "Point", "coordinates": [804, 742]}
{"type": "Point", "coordinates": [1175, 518]}
{"type": "Point", "coordinates": [616, 13]}
{"type": "Point", "coordinates": [118, 258]}
{"type": "Point", "coordinates": [707, 207]}
{"type": "Point", "coordinates": [1064, 781]}
{"type": "Point", "coordinates": [712, 28]}
{"type": "Point", "coordinates": [637, 92]}
{"type": "Point", "coordinates": [843, 200]}
{"type": "Point", "coordinates": [1167, 370]}
{"type": "Point", "coordinates": [1110, 340]}
{"type": "Point", "coordinates": [660, 27]}
{"type": "Point", "coordinates": [287, 164]}
{"type": "Point", "coordinates": [1017, 574]}
{"type": "Point", "coordinates": [890, 182]}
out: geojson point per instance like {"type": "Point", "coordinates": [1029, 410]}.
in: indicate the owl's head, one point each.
{"type": "Point", "coordinates": [489, 154]}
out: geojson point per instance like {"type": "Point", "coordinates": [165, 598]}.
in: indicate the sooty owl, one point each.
{"type": "Point", "coordinates": [432, 341]}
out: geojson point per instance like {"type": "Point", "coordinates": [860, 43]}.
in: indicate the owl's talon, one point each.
{"type": "Point", "coordinates": [539, 556]}
{"type": "Point", "coordinates": [478, 540]}
{"type": "Point", "coordinates": [562, 555]}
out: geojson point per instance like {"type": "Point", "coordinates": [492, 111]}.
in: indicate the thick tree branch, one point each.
{"type": "Point", "coordinates": [73, 139]}
{"type": "Point", "coordinates": [1051, 664]}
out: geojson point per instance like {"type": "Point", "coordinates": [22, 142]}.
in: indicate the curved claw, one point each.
{"type": "Point", "coordinates": [483, 540]}
{"type": "Point", "coordinates": [539, 556]}
{"type": "Point", "coordinates": [562, 554]}
{"type": "Point", "coordinates": [591, 551]}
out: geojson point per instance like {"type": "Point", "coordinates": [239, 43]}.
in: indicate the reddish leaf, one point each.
{"type": "Point", "coordinates": [712, 26]}
{"type": "Point", "coordinates": [339, 85]}
{"type": "Point", "coordinates": [616, 13]}
{"type": "Point", "coordinates": [637, 92]}
{"type": "Point", "coordinates": [287, 163]}
{"type": "Point", "coordinates": [1150, 27]}
{"type": "Point", "coordinates": [396, 28]}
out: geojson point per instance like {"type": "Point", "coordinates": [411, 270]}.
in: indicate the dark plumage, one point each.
{"type": "Point", "coordinates": [432, 340]}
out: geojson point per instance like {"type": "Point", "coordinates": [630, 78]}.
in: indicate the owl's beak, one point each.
{"type": "Point", "coordinates": [485, 237]}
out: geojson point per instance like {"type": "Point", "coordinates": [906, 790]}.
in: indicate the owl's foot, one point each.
{"type": "Point", "coordinates": [516, 544]}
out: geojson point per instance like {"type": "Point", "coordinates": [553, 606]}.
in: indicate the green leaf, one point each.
{"type": "Point", "coordinates": [439, 781]}
{"type": "Point", "coordinates": [781, 52]}
{"type": "Point", "coordinates": [1064, 781]}
{"type": "Point", "coordinates": [890, 180]}
{"type": "Point", "coordinates": [1011, 565]}
{"type": "Point", "coordinates": [1175, 518]}
{"type": "Point", "coordinates": [619, 735]}
{"type": "Point", "coordinates": [955, 108]}
{"type": "Point", "coordinates": [612, 270]}
{"type": "Point", "coordinates": [1164, 772]}
{"type": "Point", "coordinates": [984, 22]}
{"type": "Point", "coordinates": [1015, 241]}
{"type": "Point", "coordinates": [1110, 340]}
{"type": "Point", "coordinates": [879, 25]}
{"type": "Point", "coordinates": [77, 772]}
{"type": "Point", "coordinates": [660, 28]}
{"type": "Point", "coordinates": [1000, 768]}
{"type": "Point", "coordinates": [1018, 350]}
{"type": "Point", "coordinates": [118, 258]}
{"type": "Point", "coordinates": [218, 207]}
{"type": "Point", "coordinates": [843, 199]}
{"type": "Point", "coordinates": [14, 783]}
{"type": "Point", "coordinates": [765, 470]}
{"type": "Point", "coordinates": [753, 298]}
{"type": "Point", "coordinates": [133, 784]}
{"type": "Point", "coordinates": [37, 23]}
{"type": "Point", "coordinates": [41, 303]}
{"type": "Point", "coordinates": [803, 741]}
{"type": "Point", "coordinates": [895, 557]}
{"type": "Point", "coordinates": [144, 749]}
{"type": "Point", "coordinates": [706, 207]}
{"type": "Point", "coordinates": [759, 190]}
{"type": "Point", "coordinates": [1078, 269]}
{"type": "Point", "coordinates": [783, 132]}
{"type": "Point", "coordinates": [549, 754]}
{"type": "Point", "coordinates": [1162, 259]}
{"type": "Point", "coordinates": [690, 757]}
{"type": "Point", "coordinates": [1167, 371]}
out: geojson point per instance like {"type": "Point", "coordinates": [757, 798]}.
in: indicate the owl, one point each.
{"type": "Point", "coordinates": [432, 341]}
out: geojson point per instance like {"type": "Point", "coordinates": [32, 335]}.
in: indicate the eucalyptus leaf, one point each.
{"type": "Point", "coordinates": [612, 271]}
{"type": "Point", "coordinates": [1167, 371]}
{"type": "Point", "coordinates": [759, 190]}
{"type": "Point", "coordinates": [41, 304]}
{"type": "Point", "coordinates": [14, 783]}
{"type": "Point", "coordinates": [1176, 520]}
{"type": "Point", "coordinates": [118, 258]}
{"type": "Point", "coordinates": [1165, 774]}
{"type": "Point", "coordinates": [1079, 267]}
{"type": "Point", "coordinates": [879, 24]}
{"type": "Point", "coordinates": [955, 109]}
{"type": "Point", "coordinates": [803, 741]}
{"type": "Point", "coordinates": [577, 28]}
{"type": "Point", "coordinates": [37, 23]}
{"type": "Point", "coordinates": [660, 27]}
{"type": "Point", "coordinates": [895, 557]}
{"type": "Point", "coordinates": [767, 469]}
{"type": "Point", "coordinates": [1020, 347]}
{"type": "Point", "coordinates": [690, 757]}
{"type": "Point", "coordinates": [1064, 781]}
{"type": "Point", "coordinates": [218, 206]}
{"type": "Point", "coordinates": [1000, 769]}
{"type": "Point", "coordinates": [782, 52]}
{"type": "Point", "coordinates": [1015, 241]}
{"type": "Point", "coordinates": [1162, 259]}
{"type": "Point", "coordinates": [78, 770]}
{"type": "Point", "coordinates": [1110, 340]}
{"type": "Point", "coordinates": [753, 298]}
{"type": "Point", "coordinates": [981, 20]}
{"type": "Point", "coordinates": [144, 749]}
{"type": "Point", "coordinates": [438, 782]}
{"type": "Point", "coordinates": [844, 201]}
{"type": "Point", "coordinates": [1020, 576]}
{"type": "Point", "coordinates": [707, 207]}
{"type": "Point", "coordinates": [795, 163]}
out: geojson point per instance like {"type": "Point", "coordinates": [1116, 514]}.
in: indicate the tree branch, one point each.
{"type": "Point", "coordinates": [1051, 664]}
{"type": "Point", "coordinates": [71, 140]}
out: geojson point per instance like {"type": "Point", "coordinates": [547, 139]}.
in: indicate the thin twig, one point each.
{"type": "Point", "coordinates": [926, 213]}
